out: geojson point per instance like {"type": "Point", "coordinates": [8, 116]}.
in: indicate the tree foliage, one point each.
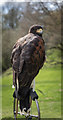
{"type": "Point", "coordinates": [17, 19]}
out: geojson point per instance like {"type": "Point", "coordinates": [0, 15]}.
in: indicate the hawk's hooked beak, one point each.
{"type": "Point", "coordinates": [40, 31]}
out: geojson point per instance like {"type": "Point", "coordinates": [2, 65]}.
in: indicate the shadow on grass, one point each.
{"type": "Point", "coordinates": [32, 119]}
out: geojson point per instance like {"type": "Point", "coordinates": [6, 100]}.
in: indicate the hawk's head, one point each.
{"type": "Point", "coordinates": [36, 29]}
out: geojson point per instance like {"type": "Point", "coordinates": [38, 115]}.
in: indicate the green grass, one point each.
{"type": "Point", "coordinates": [53, 57]}
{"type": "Point", "coordinates": [0, 97]}
{"type": "Point", "coordinates": [48, 81]}
{"type": "Point", "coordinates": [50, 85]}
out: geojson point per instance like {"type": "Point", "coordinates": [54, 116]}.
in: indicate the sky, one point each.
{"type": "Point", "coordinates": [3, 1]}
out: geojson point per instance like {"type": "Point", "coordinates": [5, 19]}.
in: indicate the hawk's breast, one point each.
{"type": "Point", "coordinates": [34, 54]}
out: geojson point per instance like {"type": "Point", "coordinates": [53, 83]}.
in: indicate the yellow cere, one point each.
{"type": "Point", "coordinates": [39, 30]}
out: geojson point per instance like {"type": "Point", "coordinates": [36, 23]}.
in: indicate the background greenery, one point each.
{"type": "Point", "coordinates": [17, 17]}
{"type": "Point", "coordinates": [48, 81]}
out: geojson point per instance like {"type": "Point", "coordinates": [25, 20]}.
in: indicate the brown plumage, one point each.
{"type": "Point", "coordinates": [28, 56]}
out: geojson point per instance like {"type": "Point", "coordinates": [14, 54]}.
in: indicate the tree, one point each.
{"type": "Point", "coordinates": [17, 19]}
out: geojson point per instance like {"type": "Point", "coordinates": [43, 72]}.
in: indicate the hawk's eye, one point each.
{"type": "Point", "coordinates": [39, 31]}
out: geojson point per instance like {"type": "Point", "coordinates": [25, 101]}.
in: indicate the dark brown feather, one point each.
{"type": "Point", "coordinates": [28, 57]}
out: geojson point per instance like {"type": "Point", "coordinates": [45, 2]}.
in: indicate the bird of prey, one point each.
{"type": "Point", "coordinates": [28, 57]}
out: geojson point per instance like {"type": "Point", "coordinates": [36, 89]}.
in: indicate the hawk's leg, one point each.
{"type": "Point", "coordinates": [13, 77]}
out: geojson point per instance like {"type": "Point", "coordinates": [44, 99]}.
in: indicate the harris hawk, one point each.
{"type": "Point", "coordinates": [27, 58]}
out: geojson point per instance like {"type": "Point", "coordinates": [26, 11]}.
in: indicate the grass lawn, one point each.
{"type": "Point", "coordinates": [0, 97]}
{"type": "Point", "coordinates": [48, 81]}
